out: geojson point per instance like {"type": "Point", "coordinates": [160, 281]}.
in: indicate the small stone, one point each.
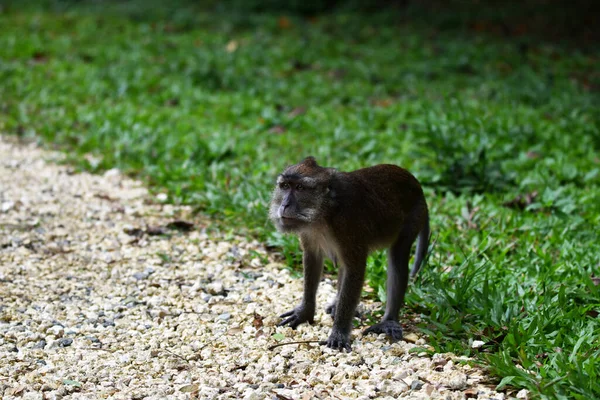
{"type": "Point", "coordinates": [108, 322]}
{"type": "Point", "coordinates": [429, 389]}
{"type": "Point", "coordinates": [410, 338]}
{"type": "Point", "coordinates": [416, 385]}
{"type": "Point", "coordinates": [477, 344]}
{"type": "Point", "coordinates": [40, 345]}
{"type": "Point", "coordinates": [7, 205]}
{"type": "Point", "coordinates": [523, 394]}
{"type": "Point", "coordinates": [458, 382]}
{"type": "Point", "coordinates": [143, 275]}
{"type": "Point", "coordinates": [56, 330]}
{"type": "Point", "coordinates": [402, 375]}
{"type": "Point", "coordinates": [113, 172]}
{"type": "Point", "coordinates": [162, 197]}
{"type": "Point", "coordinates": [224, 316]}
{"type": "Point", "coordinates": [65, 342]}
{"type": "Point", "coordinates": [215, 288]}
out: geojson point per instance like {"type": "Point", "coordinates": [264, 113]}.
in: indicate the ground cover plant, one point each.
{"type": "Point", "coordinates": [208, 106]}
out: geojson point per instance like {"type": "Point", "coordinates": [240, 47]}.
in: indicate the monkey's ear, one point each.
{"type": "Point", "coordinates": [330, 191]}
{"type": "Point", "coordinates": [310, 161]}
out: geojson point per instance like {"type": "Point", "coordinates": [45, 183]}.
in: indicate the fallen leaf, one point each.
{"type": "Point", "coordinates": [181, 225]}
{"type": "Point", "coordinates": [382, 102]}
{"type": "Point", "coordinates": [16, 390]}
{"type": "Point", "coordinates": [137, 232]}
{"type": "Point", "coordinates": [104, 196]}
{"type": "Point", "coordinates": [297, 111]}
{"type": "Point", "coordinates": [284, 23]}
{"type": "Point", "coordinates": [172, 102]}
{"type": "Point", "coordinates": [87, 58]}
{"type": "Point", "coordinates": [277, 129]}
{"type": "Point", "coordinates": [300, 66]}
{"type": "Point", "coordinates": [429, 389]}
{"type": "Point", "coordinates": [278, 336]}
{"type": "Point", "coordinates": [521, 201]}
{"type": "Point", "coordinates": [155, 230]}
{"type": "Point", "coordinates": [281, 397]}
{"type": "Point", "coordinates": [308, 396]}
{"type": "Point", "coordinates": [189, 388]}
{"type": "Point", "coordinates": [39, 57]}
{"type": "Point", "coordinates": [258, 321]}
{"type": "Point", "coordinates": [234, 331]}
{"type": "Point", "coordinates": [72, 383]}
{"type": "Point", "coordinates": [338, 73]}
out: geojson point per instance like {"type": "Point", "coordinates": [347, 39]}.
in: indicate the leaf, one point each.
{"type": "Point", "coordinates": [189, 388]}
{"type": "Point", "coordinates": [278, 336]}
{"type": "Point", "coordinates": [505, 382]}
{"type": "Point", "coordinates": [72, 383]}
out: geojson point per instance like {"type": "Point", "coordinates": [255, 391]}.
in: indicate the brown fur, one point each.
{"type": "Point", "coordinates": [344, 216]}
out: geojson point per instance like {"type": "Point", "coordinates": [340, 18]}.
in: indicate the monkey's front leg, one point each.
{"type": "Point", "coordinates": [348, 299]}
{"type": "Point", "coordinates": [312, 260]}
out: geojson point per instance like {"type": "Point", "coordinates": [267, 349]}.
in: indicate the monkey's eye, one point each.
{"type": "Point", "coordinates": [299, 186]}
{"type": "Point", "coordinates": [284, 185]}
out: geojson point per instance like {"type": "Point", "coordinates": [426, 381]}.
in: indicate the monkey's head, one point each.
{"type": "Point", "coordinates": [301, 196]}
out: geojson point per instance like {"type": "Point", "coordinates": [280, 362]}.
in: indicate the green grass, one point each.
{"type": "Point", "coordinates": [211, 107]}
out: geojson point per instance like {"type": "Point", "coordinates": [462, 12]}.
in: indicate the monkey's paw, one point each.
{"type": "Point", "coordinates": [390, 328]}
{"type": "Point", "coordinates": [296, 317]}
{"type": "Point", "coordinates": [338, 340]}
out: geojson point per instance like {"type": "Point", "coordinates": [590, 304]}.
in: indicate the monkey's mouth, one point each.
{"type": "Point", "coordinates": [288, 222]}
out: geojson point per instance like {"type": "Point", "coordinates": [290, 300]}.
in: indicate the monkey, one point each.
{"type": "Point", "coordinates": [344, 216]}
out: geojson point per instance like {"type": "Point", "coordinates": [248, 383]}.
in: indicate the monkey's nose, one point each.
{"type": "Point", "coordinates": [281, 211]}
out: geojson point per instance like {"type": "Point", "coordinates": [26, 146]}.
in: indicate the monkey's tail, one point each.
{"type": "Point", "coordinates": [422, 246]}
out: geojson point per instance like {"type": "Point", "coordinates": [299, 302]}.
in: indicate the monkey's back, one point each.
{"type": "Point", "coordinates": [381, 200]}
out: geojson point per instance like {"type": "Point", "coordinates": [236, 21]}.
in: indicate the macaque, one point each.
{"type": "Point", "coordinates": [344, 216]}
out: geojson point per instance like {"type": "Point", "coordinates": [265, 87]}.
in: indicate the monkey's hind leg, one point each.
{"type": "Point", "coordinates": [330, 309]}
{"type": "Point", "coordinates": [397, 281]}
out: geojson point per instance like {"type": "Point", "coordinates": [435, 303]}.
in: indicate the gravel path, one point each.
{"type": "Point", "coordinates": [101, 297]}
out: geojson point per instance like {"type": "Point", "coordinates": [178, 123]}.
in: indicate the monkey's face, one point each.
{"type": "Point", "coordinates": [299, 196]}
